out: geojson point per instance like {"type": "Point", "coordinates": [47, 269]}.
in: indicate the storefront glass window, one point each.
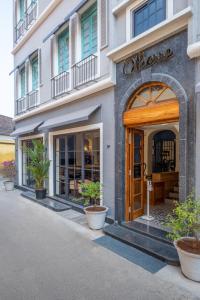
{"type": "Point", "coordinates": [27, 178]}
{"type": "Point", "coordinates": [80, 163]}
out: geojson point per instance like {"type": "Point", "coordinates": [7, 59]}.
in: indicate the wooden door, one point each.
{"type": "Point", "coordinates": [135, 173]}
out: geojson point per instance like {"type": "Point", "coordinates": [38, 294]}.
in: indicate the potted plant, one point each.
{"type": "Point", "coordinates": [39, 167]}
{"type": "Point", "coordinates": [95, 213]}
{"type": "Point", "coordinates": [9, 172]}
{"type": "Point", "coordinates": [184, 223]}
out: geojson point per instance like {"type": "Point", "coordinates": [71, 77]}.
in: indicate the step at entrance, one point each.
{"type": "Point", "coordinates": [153, 232]}
{"type": "Point", "coordinates": [148, 243]}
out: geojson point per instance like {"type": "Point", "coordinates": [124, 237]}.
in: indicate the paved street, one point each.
{"type": "Point", "coordinates": [44, 256]}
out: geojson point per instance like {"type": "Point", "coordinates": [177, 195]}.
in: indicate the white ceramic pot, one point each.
{"type": "Point", "coordinates": [95, 219]}
{"type": "Point", "coordinates": [9, 185]}
{"type": "Point", "coordinates": [190, 263]}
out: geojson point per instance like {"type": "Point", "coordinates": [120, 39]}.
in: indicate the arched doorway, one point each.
{"type": "Point", "coordinates": [153, 105]}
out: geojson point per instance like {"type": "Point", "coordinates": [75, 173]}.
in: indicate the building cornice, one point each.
{"type": "Point", "coordinates": [44, 15]}
{"type": "Point", "coordinates": [92, 89]}
{"type": "Point", "coordinates": [158, 33]}
{"type": "Point", "coordinates": [193, 50]}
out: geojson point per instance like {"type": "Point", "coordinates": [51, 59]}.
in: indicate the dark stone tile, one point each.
{"type": "Point", "coordinates": [135, 256]}
{"type": "Point", "coordinates": [148, 230]}
{"type": "Point", "coordinates": [47, 202]}
{"type": "Point", "coordinates": [151, 246]}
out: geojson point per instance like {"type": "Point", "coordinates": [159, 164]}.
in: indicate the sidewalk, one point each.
{"type": "Point", "coordinates": [48, 256]}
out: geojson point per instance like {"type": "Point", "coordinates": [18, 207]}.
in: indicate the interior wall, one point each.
{"type": "Point", "coordinates": [149, 132]}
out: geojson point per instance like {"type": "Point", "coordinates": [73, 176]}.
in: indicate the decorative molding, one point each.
{"type": "Point", "coordinates": [44, 15]}
{"type": "Point", "coordinates": [154, 35]}
{"type": "Point", "coordinates": [96, 87]}
{"type": "Point", "coordinates": [120, 7]}
{"type": "Point", "coordinates": [193, 50]}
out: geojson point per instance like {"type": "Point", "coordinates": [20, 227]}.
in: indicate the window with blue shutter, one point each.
{"type": "Point", "coordinates": [89, 31]}
{"type": "Point", "coordinates": [34, 66]}
{"type": "Point", "coordinates": [149, 15]}
{"type": "Point", "coordinates": [63, 51]}
{"type": "Point", "coordinates": [22, 82]}
{"type": "Point", "coordinates": [21, 9]}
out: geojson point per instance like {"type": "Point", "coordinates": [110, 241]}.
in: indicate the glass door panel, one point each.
{"type": "Point", "coordinates": [137, 172]}
{"type": "Point", "coordinates": [60, 166]}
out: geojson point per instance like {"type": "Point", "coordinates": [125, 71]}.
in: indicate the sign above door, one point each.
{"type": "Point", "coordinates": [140, 61]}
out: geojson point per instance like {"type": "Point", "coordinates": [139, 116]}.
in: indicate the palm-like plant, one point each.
{"type": "Point", "coordinates": [39, 164]}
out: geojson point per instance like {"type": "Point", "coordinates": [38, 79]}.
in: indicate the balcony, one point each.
{"type": "Point", "coordinates": [84, 71]}
{"type": "Point", "coordinates": [24, 24]}
{"type": "Point", "coordinates": [60, 85]}
{"type": "Point", "coordinates": [32, 99]}
{"type": "Point", "coordinates": [21, 105]}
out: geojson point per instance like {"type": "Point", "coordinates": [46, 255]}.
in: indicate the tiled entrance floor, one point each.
{"type": "Point", "coordinates": [159, 212]}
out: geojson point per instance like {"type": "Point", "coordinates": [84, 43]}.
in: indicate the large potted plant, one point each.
{"type": "Point", "coordinates": [9, 172]}
{"type": "Point", "coordinates": [184, 223]}
{"type": "Point", "coordinates": [95, 213]}
{"type": "Point", "coordinates": [38, 167]}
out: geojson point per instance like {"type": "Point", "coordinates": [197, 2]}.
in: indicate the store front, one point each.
{"type": "Point", "coordinates": [155, 129]}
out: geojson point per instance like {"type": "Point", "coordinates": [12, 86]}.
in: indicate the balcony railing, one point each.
{"type": "Point", "coordinates": [31, 14]}
{"type": "Point", "coordinates": [21, 105]}
{"type": "Point", "coordinates": [23, 25]}
{"type": "Point", "coordinates": [32, 99]}
{"type": "Point", "coordinates": [19, 30]}
{"type": "Point", "coordinates": [60, 84]}
{"type": "Point", "coordinates": [84, 71]}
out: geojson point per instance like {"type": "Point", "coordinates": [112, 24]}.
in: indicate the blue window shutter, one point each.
{"type": "Point", "coordinates": [35, 74]}
{"type": "Point", "coordinates": [22, 81]}
{"type": "Point", "coordinates": [89, 31]}
{"type": "Point", "coordinates": [150, 14]}
{"type": "Point", "coordinates": [63, 51]}
{"type": "Point", "coordinates": [21, 9]}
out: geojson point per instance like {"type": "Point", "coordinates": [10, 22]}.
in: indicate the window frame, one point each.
{"type": "Point", "coordinates": [20, 94]}
{"type": "Point", "coordinates": [65, 136]}
{"type": "Point", "coordinates": [60, 33]}
{"type": "Point", "coordinates": [89, 13]}
{"type": "Point", "coordinates": [32, 61]}
{"type": "Point", "coordinates": [140, 7]}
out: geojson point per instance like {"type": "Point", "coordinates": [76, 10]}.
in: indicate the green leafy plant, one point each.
{"type": "Point", "coordinates": [38, 163]}
{"type": "Point", "coordinates": [91, 192]}
{"type": "Point", "coordinates": [185, 219]}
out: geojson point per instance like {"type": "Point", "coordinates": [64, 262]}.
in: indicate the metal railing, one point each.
{"type": "Point", "coordinates": [21, 105]}
{"type": "Point", "coordinates": [32, 99]}
{"type": "Point", "coordinates": [84, 71]}
{"type": "Point", "coordinates": [23, 25]}
{"type": "Point", "coordinates": [60, 84]}
{"type": "Point", "coordinates": [31, 14]}
{"type": "Point", "coordinates": [19, 30]}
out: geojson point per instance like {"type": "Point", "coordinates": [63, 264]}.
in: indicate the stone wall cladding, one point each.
{"type": "Point", "coordinates": [179, 74]}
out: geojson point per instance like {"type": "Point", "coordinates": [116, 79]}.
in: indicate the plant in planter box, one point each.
{"type": "Point", "coordinates": [184, 223]}
{"type": "Point", "coordinates": [95, 213]}
{"type": "Point", "coordinates": [9, 172]}
{"type": "Point", "coordinates": [38, 166]}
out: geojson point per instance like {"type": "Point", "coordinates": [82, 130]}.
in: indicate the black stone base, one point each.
{"type": "Point", "coordinates": [47, 202]}
{"type": "Point", "coordinates": [162, 250]}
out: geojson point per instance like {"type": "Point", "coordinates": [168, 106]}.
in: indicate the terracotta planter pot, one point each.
{"type": "Point", "coordinates": [96, 216]}
{"type": "Point", "coordinates": [190, 262]}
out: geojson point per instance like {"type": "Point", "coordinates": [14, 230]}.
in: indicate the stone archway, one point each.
{"type": "Point", "coordinates": [120, 137]}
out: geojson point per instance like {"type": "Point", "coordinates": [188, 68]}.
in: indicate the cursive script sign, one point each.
{"type": "Point", "coordinates": [139, 62]}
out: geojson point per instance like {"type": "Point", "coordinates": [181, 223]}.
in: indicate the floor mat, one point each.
{"type": "Point", "coordinates": [134, 255]}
